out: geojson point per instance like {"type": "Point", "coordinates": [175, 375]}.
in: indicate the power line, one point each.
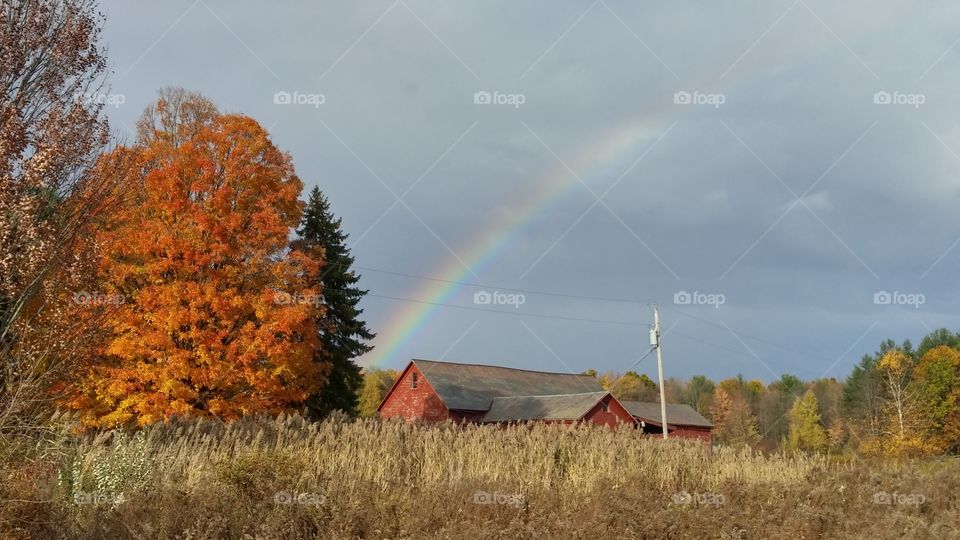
{"type": "Point", "coordinates": [747, 336]}
{"type": "Point", "coordinates": [637, 363]}
{"type": "Point", "coordinates": [560, 317]}
{"type": "Point", "coordinates": [500, 311]}
{"type": "Point", "coordinates": [595, 298]}
{"type": "Point", "coordinates": [732, 351]}
{"type": "Point", "coordinates": [579, 297]}
{"type": "Point", "coordinates": [721, 347]}
{"type": "Point", "coordinates": [511, 289]}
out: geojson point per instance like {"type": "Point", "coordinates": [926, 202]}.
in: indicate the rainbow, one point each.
{"type": "Point", "coordinates": [608, 157]}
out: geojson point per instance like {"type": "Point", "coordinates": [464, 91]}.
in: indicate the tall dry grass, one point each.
{"type": "Point", "coordinates": [346, 455]}
{"type": "Point", "coordinates": [289, 478]}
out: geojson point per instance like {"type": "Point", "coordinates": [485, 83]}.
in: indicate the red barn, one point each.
{"type": "Point", "coordinates": [682, 420]}
{"type": "Point", "coordinates": [436, 391]}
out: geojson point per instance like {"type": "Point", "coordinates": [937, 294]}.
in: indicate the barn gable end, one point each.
{"type": "Point", "coordinates": [413, 398]}
{"type": "Point", "coordinates": [609, 412]}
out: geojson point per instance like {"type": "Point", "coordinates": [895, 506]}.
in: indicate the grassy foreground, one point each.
{"type": "Point", "coordinates": [288, 478]}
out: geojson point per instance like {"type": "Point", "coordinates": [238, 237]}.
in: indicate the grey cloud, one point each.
{"type": "Point", "coordinates": [403, 93]}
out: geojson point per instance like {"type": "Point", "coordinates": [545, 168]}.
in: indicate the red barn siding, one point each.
{"type": "Point", "coordinates": [704, 434]}
{"type": "Point", "coordinates": [615, 416]}
{"type": "Point", "coordinates": [420, 403]}
{"type": "Point", "coordinates": [701, 433]}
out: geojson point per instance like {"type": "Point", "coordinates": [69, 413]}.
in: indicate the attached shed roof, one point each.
{"type": "Point", "coordinates": [677, 414]}
{"type": "Point", "coordinates": [473, 387]}
{"type": "Point", "coordinates": [558, 407]}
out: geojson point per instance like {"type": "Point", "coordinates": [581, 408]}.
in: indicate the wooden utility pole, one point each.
{"type": "Point", "coordinates": [663, 400]}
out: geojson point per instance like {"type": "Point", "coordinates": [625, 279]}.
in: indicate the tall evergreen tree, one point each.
{"type": "Point", "coordinates": [343, 334]}
{"type": "Point", "coordinates": [700, 394]}
{"type": "Point", "coordinates": [863, 394]}
{"type": "Point", "coordinates": [940, 336]}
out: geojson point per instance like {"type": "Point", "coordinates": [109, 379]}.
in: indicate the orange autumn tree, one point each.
{"type": "Point", "coordinates": [218, 317]}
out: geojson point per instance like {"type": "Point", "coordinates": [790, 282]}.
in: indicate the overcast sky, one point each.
{"type": "Point", "coordinates": [784, 163]}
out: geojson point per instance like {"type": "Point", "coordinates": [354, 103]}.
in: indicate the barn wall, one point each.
{"type": "Point", "coordinates": [617, 414]}
{"type": "Point", "coordinates": [691, 432]}
{"type": "Point", "coordinates": [420, 403]}
{"type": "Point", "coordinates": [704, 434]}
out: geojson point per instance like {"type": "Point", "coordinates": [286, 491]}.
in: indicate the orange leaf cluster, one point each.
{"type": "Point", "coordinates": [219, 318]}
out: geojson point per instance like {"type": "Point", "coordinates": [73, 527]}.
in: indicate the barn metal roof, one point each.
{"type": "Point", "coordinates": [557, 407]}
{"type": "Point", "coordinates": [677, 414]}
{"type": "Point", "coordinates": [473, 387]}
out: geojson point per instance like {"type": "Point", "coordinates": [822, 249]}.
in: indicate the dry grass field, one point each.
{"type": "Point", "coordinates": [287, 478]}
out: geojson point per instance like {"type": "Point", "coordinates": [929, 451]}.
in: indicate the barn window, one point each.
{"type": "Point", "coordinates": [413, 381]}
{"type": "Point", "coordinates": [606, 406]}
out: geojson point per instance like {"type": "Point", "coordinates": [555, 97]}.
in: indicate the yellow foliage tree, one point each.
{"type": "Point", "coordinates": [376, 384]}
{"type": "Point", "coordinates": [806, 433]}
